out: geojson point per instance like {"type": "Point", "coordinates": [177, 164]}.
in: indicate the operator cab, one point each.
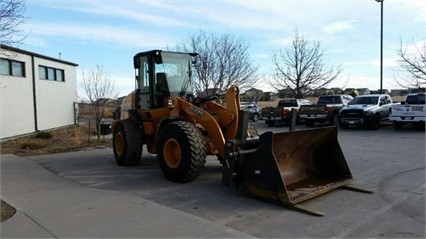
{"type": "Point", "coordinates": [161, 75]}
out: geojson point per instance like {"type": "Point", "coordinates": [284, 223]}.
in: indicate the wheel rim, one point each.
{"type": "Point", "coordinates": [119, 144]}
{"type": "Point", "coordinates": [172, 153]}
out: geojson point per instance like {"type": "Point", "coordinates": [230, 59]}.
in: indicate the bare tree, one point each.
{"type": "Point", "coordinates": [11, 16]}
{"type": "Point", "coordinates": [96, 85]}
{"type": "Point", "coordinates": [412, 66]}
{"type": "Point", "coordinates": [300, 68]}
{"type": "Point", "coordinates": [224, 61]}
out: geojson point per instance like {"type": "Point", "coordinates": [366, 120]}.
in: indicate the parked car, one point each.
{"type": "Point", "coordinates": [366, 110]}
{"type": "Point", "coordinates": [254, 110]}
{"type": "Point", "coordinates": [411, 110]}
{"type": "Point", "coordinates": [282, 112]}
{"type": "Point", "coordinates": [326, 109]}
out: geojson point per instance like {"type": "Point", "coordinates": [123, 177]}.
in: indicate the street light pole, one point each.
{"type": "Point", "coordinates": [381, 45]}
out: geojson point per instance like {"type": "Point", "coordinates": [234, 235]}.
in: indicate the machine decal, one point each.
{"type": "Point", "coordinates": [196, 110]}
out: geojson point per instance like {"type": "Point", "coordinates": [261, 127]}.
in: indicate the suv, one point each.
{"type": "Point", "coordinates": [254, 110]}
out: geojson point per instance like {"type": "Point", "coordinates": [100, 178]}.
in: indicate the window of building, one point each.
{"type": "Point", "coordinates": [12, 68]}
{"type": "Point", "coordinates": [59, 75]}
{"type": "Point", "coordinates": [50, 73]}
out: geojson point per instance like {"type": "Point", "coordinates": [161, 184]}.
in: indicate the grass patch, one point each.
{"type": "Point", "coordinates": [32, 145]}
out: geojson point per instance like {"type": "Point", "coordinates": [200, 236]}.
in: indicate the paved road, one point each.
{"type": "Point", "coordinates": [391, 162]}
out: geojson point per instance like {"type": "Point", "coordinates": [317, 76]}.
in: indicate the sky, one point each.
{"type": "Point", "coordinates": [110, 32]}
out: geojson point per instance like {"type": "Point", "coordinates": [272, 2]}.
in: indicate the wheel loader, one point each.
{"type": "Point", "coordinates": [182, 129]}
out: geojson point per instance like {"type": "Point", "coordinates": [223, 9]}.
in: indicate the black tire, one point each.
{"type": "Point", "coordinates": [397, 125]}
{"type": "Point", "coordinates": [419, 125]}
{"type": "Point", "coordinates": [334, 119]}
{"type": "Point", "coordinates": [270, 123]}
{"type": "Point", "coordinates": [181, 151]}
{"type": "Point", "coordinates": [375, 122]}
{"type": "Point", "coordinates": [298, 119]}
{"type": "Point", "coordinates": [309, 123]}
{"type": "Point", "coordinates": [342, 125]}
{"type": "Point", "coordinates": [127, 143]}
{"type": "Point", "coordinates": [255, 117]}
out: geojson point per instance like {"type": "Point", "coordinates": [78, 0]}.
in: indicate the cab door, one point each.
{"type": "Point", "coordinates": [143, 81]}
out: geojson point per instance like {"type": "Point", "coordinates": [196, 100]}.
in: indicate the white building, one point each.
{"type": "Point", "coordinates": [36, 92]}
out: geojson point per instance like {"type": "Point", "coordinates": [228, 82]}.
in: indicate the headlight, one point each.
{"type": "Point", "coordinates": [369, 112]}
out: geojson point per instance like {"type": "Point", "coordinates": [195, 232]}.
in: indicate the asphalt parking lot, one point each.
{"type": "Point", "coordinates": [390, 162]}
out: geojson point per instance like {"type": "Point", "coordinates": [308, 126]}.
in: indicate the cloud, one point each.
{"type": "Point", "coordinates": [387, 62]}
{"type": "Point", "coordinates": [95, 33]}
{"type": "Point", "coordinates": [144, 11]}
{"type": "Point", "coordinates": [341, 26]}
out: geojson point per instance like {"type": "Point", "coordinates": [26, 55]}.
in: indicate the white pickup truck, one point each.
{"type": "Point", "coordinates": [411, 110]}
{"type": "Point", "coordinates": [365, 110]}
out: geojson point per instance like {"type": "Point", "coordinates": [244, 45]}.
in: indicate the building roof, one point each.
{"type": "Point", "coordinates": [253, 89]}
{"type": "Point", "coordinates": [14, 49]}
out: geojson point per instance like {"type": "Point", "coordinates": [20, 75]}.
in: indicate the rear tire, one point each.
{"type": "Point", "coordinates": [397, 125]}
{"type": "Point", "coordinates": [181, 151]}
{"type": "Point", "coordinates": [420, 125]}
{"type": "Point", "coordinates": [127, 143]}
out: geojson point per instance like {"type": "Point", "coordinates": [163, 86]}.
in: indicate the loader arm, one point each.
{"type": "Point", "coordinates": [198, 115]}
{"type": "Point", "coordinates": [220, 126]}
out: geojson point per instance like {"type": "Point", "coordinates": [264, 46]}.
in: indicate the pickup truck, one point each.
{"type": "Point", "coordinates": [282, 112]}
{"type": "Point", "coordinates": [365, 110]}
{"type": "Point", "coordinates": [411, 110]}
{"type": "Point", "coordinates": [326, 109]}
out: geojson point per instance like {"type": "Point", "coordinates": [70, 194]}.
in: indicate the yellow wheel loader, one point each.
{"type": "Point", "coordinates": [164, 114]}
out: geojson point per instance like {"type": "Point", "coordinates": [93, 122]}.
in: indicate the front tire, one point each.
{"type": "Point", "coordinates": [342, 125]}
{"type": "Point", "coordinates": [181, 151]}
{"type": "Point", "coordinates": [375, 122]}
{"type": "Point", "coordinates": [334, 120]}
{"type": "Point", "coordinates": [127, 143]}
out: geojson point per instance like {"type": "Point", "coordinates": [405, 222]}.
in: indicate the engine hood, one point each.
{"type": "Point", "coordinates": [360, 107]}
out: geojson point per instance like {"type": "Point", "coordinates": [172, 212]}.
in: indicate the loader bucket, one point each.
{"type": "Point", "coordinates": [294, 166]}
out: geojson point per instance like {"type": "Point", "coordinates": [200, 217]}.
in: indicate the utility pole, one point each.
{"type": "Point", "coordinates": [381, 45]}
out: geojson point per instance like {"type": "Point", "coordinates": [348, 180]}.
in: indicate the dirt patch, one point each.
{"type": "Point", "coordinates": [62, 140]}
{"type": "Point", "coordinates": [7, 211]}
{"type": "Point", "coordinates": [74, 138]}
